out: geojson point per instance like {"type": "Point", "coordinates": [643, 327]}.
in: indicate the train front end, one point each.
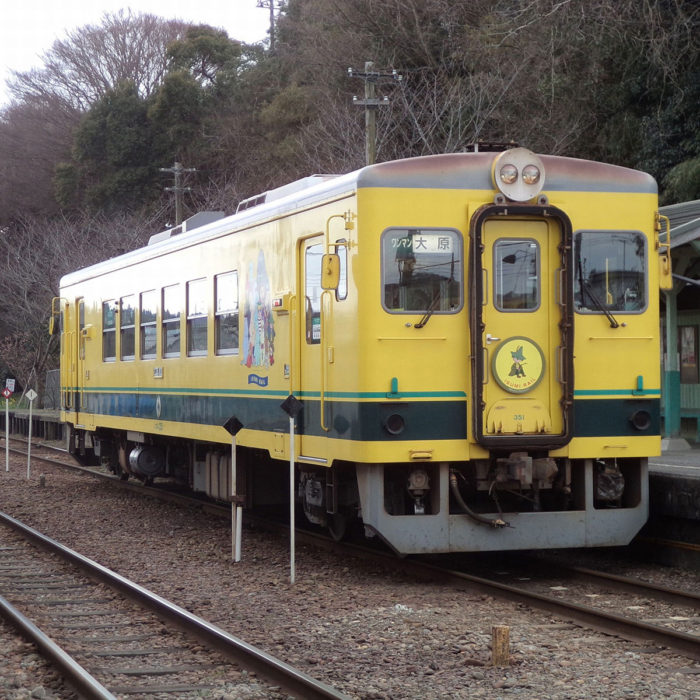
{"type": "Point", "coordinates": [519, 346]}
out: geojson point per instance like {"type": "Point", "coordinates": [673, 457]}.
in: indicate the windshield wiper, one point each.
{"type": "Point", "coordinates": [429, 311]}
{"type": "Point", "coordinates": [436, 297]}
{"type": "Point", "coordinates": [599, 304]}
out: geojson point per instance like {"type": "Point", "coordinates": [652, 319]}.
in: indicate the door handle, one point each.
{"type": "Point", "coordinates": [491, 339]}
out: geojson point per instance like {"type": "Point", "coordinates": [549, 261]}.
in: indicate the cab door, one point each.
{"type": "Point", "coordinates": [523, 382]}
{"type": "Point", "coordinates": [70, 355]}
{"type": "Point", "coordinates": [313, 371]}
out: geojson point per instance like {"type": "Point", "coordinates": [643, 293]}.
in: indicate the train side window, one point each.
{"type": "Point", "coordinates": [170, 336]}
{"type": "Point", "coordinates": [342, 292]}
{"type": "Point", "coordinates": [312, 292]}
{"type": "Point", "coordinates": [226, 318]}
{"type": "Point", "coordinates": [147, 324]}
{"type": "Point", "coordinates": [127, 327]}
{"type": "Point", "coordinates": [109, 330]}
{"type": "Point", "coordinates": [197, 308]}
{"type": "Point", "coordinates": [422, 270]}
{"type": "Point", "coordinates": [610, 272]}
{"type": "Point", "coordinates": [516, 270]}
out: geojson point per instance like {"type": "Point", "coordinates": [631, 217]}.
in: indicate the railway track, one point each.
{"type": "Point", "coordinates": [543, 592]}
{"type": "Point", "coordinates": [112, 638]}
{"type": "Point", "coordinates": [622, 602]}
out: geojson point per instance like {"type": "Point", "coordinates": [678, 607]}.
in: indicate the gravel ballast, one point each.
{"type": "Point", "coordinates": [364, 628]}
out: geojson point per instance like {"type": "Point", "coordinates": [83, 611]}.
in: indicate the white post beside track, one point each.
{"type": "Point", "coordinates": [31, 395]}
{"type": "Point", "coordinates": [291, 406]}
{"type": "Point", "coordinates": [291, 500]}
{"type": "Point", "coordinates": [7, 392]}
{"type": "Point", "coordinates": [7, 433]}
{"type": "Point", "coordinates": [233, 426]}
{"type": "Point", "coordinates": [236, 510]}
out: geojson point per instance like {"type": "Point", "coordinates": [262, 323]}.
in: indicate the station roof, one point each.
{"type": "Point", "coordinates": [685, 222]}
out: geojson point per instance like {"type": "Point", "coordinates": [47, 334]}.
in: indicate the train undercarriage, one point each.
{"type": "Point", "coordinates": [514, 500]}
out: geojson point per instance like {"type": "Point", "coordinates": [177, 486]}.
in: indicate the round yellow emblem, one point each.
{"type": "Point", "coordinates": [518, 364]}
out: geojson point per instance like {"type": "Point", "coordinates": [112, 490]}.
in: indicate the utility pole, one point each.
{"type": "Point", "coordinates": [371, 103]}
{"type": "Point", "coordinates": [177, 170]}
{"type": "Point", "coordinates": [271, 5]}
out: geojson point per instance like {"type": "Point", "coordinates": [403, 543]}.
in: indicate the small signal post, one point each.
{"type": "Point", "coordinates": [7, 392]}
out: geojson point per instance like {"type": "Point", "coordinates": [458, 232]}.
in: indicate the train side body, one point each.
{"type": "Point", "coordinates": [483, 375]}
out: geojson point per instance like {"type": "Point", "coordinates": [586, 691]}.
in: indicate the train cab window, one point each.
{"type": "Point", "coordinates": [610, 272]}
{"type": "Point", "coordinates": [109, 330]}
{"type": "Point", "coordinates": [516, 265]}
{"type": "Point", "coordinates": [147, 324]}
{"type": "Point", "coordinates": [197, 317]}
{"type": "Point", "coordinates": [226, 317]}
{"type": "Point", "coordinates": [127, 327]}
{"type": "Point", "coordinates": [170, 323]}
{"type": "Point", "coordinates": [422, 270]}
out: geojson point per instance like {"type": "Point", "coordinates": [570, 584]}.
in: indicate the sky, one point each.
{"type": "Point", "coordinates": [28, 28]}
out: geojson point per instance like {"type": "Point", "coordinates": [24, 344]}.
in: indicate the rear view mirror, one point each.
{"type": "Point", "coordinates": [55, 320]}
{"type": "Point", "coordinates": [330, 271]}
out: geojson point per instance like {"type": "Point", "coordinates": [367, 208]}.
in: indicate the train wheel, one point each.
{"type": "Point", "coordinates": [337, 526]}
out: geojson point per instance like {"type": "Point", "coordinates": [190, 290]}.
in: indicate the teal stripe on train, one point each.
{"type": "Point", "coordinates": [354, 420]}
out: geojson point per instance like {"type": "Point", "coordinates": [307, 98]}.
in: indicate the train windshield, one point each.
{"type": "Point", "coordinates": [610, 271]}
{"type": "Point", "coordinates": [422, 270]}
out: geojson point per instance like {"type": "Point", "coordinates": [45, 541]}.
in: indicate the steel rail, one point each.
{"type": "Point", "coordinates": [635, 586]}
{"type": "Point", "coordinates": [292, 680]}
{"type": "Point", "coordinates": [76, 675]}
{"type": "Point", "coordinates": [610, 623]}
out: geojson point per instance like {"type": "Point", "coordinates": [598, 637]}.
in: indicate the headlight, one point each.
{"type": "Point", "coordinates": [509, 174]}
{"type": "Point", "coordinates": [518, 174]}
{"type": "Point", "coordinates": [531, 174]}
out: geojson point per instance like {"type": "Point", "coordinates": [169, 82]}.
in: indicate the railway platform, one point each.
{"type": "Point", "coordinates": [671, 536]}
{"type": "Point", "coordinates": [672, 533]}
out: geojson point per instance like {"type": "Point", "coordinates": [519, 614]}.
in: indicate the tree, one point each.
{"type": "Point", "coordinates": [208, 55]}
{"type": "Point", "coordinates": [33, 138]}
{"type": "Point", "coordinates": [36, 253]}
{"type": "Point", "coordinates": [113, 164]}
{"type": "Point", "coordinates": [92, 60]}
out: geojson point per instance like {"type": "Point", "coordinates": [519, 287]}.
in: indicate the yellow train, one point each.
{"type": "Point", "coordinates": [473, 339]}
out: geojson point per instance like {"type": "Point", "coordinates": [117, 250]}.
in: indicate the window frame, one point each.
{"type": "Point", "coordinates": [497, 275]}
{"type": "Point", "coordinates": [645, 271]}
{"type": "Point", "coordinates": [171, 320]}
{"type": "Point", "coordinates": [109, 332]}
{"type": "Point", "coordinates": [195, 315]}
{"type": "Point", "coordinates": [145, 325]}
{"type": "Point", "coordinates": [341, 249]}
{"type": "Point", "coordinates": [222, 313]}
{"type": "Point", "coordinates": [458, 279]}
{"type": "Point", "coordinates": [127, 331]}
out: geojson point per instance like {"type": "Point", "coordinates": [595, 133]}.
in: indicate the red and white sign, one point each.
{"type": "Point", "coordinates": [6, 393]}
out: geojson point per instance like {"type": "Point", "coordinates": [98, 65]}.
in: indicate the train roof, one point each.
{"type": "Point", "coordinates": [459, 171]}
